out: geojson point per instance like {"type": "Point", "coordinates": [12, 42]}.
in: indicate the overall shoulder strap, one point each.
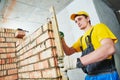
{"type": "Point", "coordinates": [81, 43]}
{"type": "Point", "coordinates": [91, 32]}
{"type": "Point", "coordinates": [88, 38]}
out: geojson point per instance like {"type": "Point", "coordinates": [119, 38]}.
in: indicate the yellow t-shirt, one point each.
{"type": "Point", "coordinates": [100, 31]}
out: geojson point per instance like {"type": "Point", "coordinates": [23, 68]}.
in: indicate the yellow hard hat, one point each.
{"type": "Point", "coordinates": [78, 14]}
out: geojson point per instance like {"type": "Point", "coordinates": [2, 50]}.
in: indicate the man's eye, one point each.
{"type": "Point", "coordinates": [79, 19]}
{"type": "Point", "coordinates": [75, 21]}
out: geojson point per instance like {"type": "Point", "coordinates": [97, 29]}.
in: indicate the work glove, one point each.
{"type": "Point", "coordinates": [61, 34]}
{"type": "Point", "coordinates": [60, 62]}
{"type": "Point", "coordinates": [64, 63]}
{"type": "Point", "coordinates": [68, 63]}
{"type": "Point", "coordinates": [79, 64]}
{"type": "Point", "coordinates": [63, 71]}
{"type": "Point", "coordinates": [71, 63]}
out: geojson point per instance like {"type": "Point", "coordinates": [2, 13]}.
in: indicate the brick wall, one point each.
{"type": "Point", "coordinates": [30, 58]}
{"type": "Point", "coordinates": [8, 66]}
{"type": "Point", "coordinates": [37, 56]}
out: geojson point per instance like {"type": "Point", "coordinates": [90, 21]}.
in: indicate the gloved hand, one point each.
{"type": "Point", "coordinates": [63, 71]}
{"type": "Point", "coordinates": [68, 63]}
{"type": "Point", "coordinates": [60, 62]}
{"type": "Point", "coordinates": [79, 64]}
{"type": "Point", "coordinates": [61, 34]}
{"type": "Point", "coordinates": [72, 63]}
{"type": "Point", "coordinates": [65, 63]}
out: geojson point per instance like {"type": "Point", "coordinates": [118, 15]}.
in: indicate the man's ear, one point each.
{"type": "Point", "coordinates": [88, 18]}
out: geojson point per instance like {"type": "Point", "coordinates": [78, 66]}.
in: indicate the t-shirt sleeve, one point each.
{"type": "Point", "coordinates": [104, 32]}
{"type": "Point", "coordinates": [76, 45]}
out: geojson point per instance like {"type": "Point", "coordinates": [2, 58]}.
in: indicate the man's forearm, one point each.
{"type": "Point", "coordinates": [68, 50]}
{"type": "Point", "coordinates": [100, 54]}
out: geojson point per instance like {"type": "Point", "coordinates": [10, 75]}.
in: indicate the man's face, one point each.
{"type": "Point", "coordinates": [82, 21]}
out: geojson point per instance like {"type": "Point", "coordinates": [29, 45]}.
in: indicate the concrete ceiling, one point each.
{"type": "Point", "coordinates": [28, 14]}
{"type": "Point", "coordinates": [114, 4]}
{"type": "Point", "coordinates": [31, 14]}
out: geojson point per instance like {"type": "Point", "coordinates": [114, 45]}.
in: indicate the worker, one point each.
{"type": "Point", "coordinates": [97, 46]}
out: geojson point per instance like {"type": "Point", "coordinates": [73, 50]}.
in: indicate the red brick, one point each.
{"type": "Point", "coordinates": [11, 60]}
{"type": "Point", "coordinates": [10, 66]}
{"type": "Point", "coordinates": [7, 44]}
{"type": "Point", "coordinates": [2, 78]}
{"type": "Point", "coordinates": [46, 54]}
{"type": "Point", "coordinates": [36, 34]}
{"type": "Point", "coordinates": [7, 34]}
{"type": "Point", "coordinates": [3, 72]}
{"type": "Point", "coordinates": [36, 74]}
{"type": "Point", "coordinates": [37, 66]}
{"type": "Point", "coordinates": [41, 65]}
{"type": "Point", "coordinates": [10, 50]}
{"type": "Point", "coordinates": [33, 59]}
{"type": "Point", "coordinates": [2, 39]}
{"type": "Point", "coordinates": [3, 56]}
{"type": "Point", "coordinates": [9, 30]}
{"type": "Point", "coordinates": [2, 50]}
{"type": "Point", "coordinates": [13, 39]}
{"type": "Point", "coordinates": [9, 55]}
{"type": "Point", "coordinates": [19, 34]}
{"type": "Point", "coordinates": [2, 61]}
{"type": "Point", "coordinates": [25, 75]}
{"type": "Point", "coordinates": [12, 71]}
{"type": "Point", "coordinates": [43, 37]}
{"type": "Point", "coordinates": [28, 54]}
{"type": "Point", "coordinates": [25, 62]}
{"type": "Point", "coordinates": [10, 44]}
{"type": "Point", "coordinates": [30, 60]}
{"type": "Point", "coordinates": [50, 52]}
{"type": "Point", "coordinates": [30, 67]}
{"type": "Point", "coordinates": [49, 73]}
{"type": "Point", "coordinates": [11, 77]}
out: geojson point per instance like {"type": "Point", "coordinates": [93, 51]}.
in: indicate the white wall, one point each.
{"type": "Point", "coordinates": [72, 32]}
{"type": "Point", "coordinates": [64, 17]}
